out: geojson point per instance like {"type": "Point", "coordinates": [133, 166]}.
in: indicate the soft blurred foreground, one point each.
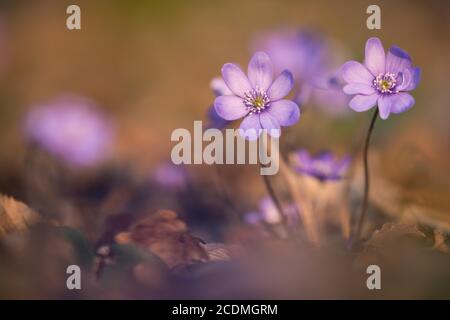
{"type": "Point", "coordinates": [86, 176]}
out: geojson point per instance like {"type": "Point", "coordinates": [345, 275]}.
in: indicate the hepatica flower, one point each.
{"type": "Point", "coordinates": [383, 80]}
{"type": "Point", "coordinates": [72, 129]}
{"type": "Point", "coordinates": [257, 98]}
{"type": "Point", "coordinates": [310, 57]}
{"type": "Point", "coordinates": [322, 166]}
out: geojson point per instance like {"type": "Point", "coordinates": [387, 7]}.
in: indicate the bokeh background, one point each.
{"type": "Point", "coordinates": [148, 66]}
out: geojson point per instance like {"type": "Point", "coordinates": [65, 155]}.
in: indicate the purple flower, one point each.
{"type": "Point", "coordinates": [257, 98]}
{"type": "Point", "coordinates": [269, 213]}
{"type": "Point", "coordinates": [170, 176]}
{"type": "Point", "coordinates": [383, 80]}
{"type": "Point", "coordinates": [323, 166]}
{"type": "Point", "coordinates": [309, 56]}
{"type": "Point", "coordinates": [219, 87]}
{"type": "Point", "coordinates": [72, 129]}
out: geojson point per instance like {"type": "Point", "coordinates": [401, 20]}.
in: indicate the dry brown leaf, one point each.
{"type": "Point", "coordinates": [15, 215]}
{"type": "Point", "coordinates": [391, 233]}
{"type": "Point", "coordinates": [164, 234]}
{"type": "Point", "coordinates": [428, 205]}
{"type": "Point", "coordinates": [221, 252]}
{"type": "Point", "coordinates": [439, 242]}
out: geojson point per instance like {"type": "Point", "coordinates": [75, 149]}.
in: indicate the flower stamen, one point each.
{"type": "Point", "coordinates": [385, 83]}
{"type": "Point", "coordinates": [256, 100]}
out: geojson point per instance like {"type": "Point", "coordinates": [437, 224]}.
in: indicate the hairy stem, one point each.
{"type": "Point", "coordinates": [366, 177]}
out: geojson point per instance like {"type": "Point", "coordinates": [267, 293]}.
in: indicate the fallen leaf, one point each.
{"type": "Point", "coordinates": [439, 242]}
{"type": "Point", "coordinates": [221, 252]}
{"type": "Point", "coordinates": [15, 215]}
{"type": "Point", "coordinates": [164, 234]}
{"type": "Point", "coordinates": [391, 233]}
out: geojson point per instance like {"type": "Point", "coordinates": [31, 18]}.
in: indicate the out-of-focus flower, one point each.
{"type": "Point", "coordinates": [382, 80]}
{"type": "Point", "coordinates": [308, 55]}
{"type": "Point", "coordinates": [257, 98]}
{"type": "Point", "coordinates": [328, 95]}
{"type": "Point", "coordinates": [269, 213]}
{"type": "Point", "coordinates": [72, 129]}
{"type": "Point", "coordinates": [322, 166]}
{"type": "Point", "coordinates": [219, 88]}
{"type": "Point", "coordinates": [170, 176]}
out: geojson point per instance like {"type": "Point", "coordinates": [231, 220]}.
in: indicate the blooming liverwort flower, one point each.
{"type": "Point", "coordinates": [383, 80]}
{"type": "Point", "coordinates": [323, 166]}
{"type": "Point", "coordinates": [257, 98]}
{"type": "Point", "coordinates": [72, 129]}
{"type": "Point", "coordinates": [310, 57]}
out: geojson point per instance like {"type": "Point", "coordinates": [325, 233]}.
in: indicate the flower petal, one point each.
{"type": "Point", "coordinates": [219, 87]}
{"type": "Point", "coordinates": [260, 71]}
{"type": "Point", "coordinates": [402, 102]}
{"type": "Point", "coordinates": [230, 107]}
{"type": "Point", "coordinates": [286, 112]}
{"type": "Point", "coordinates": [355, 72]}
{"type": "Point", "coordinates": [375, 59]}
{"type": "Point", "coordinates": [270, 124]}
{"type": "Point", "coordinates": [397, 60]}
{"type": "Point", "coordinates": [359, 88]}
{"type": "Point", "coordinates": [250, 127]}
{"type": "Point", "coordinates": [411, 78]}
{"type": "Point", "coordinates": [362, 103]}
{"type": "Point", "coordinates": [282, 85]}
{"type": "Point", "coordinates": [235, 79]}
{"type": "Point", "coordinates": [384, 106]}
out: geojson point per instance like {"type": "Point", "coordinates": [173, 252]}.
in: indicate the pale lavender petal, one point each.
{"type": "Point", "coordinates": [355, 72]}
{"type": "Point", "coordinates": [253, 218]}
{"type": "Point", "coordinates": [401, 102]}
{"type": "Point", "coordinates": [397, 60]}
{"type": "Point", "coordinates": [235, 79]}
{"type": "Point", "coordinates": [384, 106]}
{"type": "Point", "coordinates": [269, 211]}
{"type": "Point", "coordinates": [403, 80]}
{"type": "Point", "coordinates": [375, 59]}
{"type": "Point", "coordinates": [282, 85]}
{"type": "Point", "coordinates": [286, 112]}
{"type": "Point", "coordinates": [250, 127]}
{"type": "Point", "coordinates": [359, 88]}
{"type": "Point", "coordinates": [270, 124]}
{"type": "Point", "coordinates": [260, 71]}
{"type": "Point", "coordinates": [362, 103]}
{"type": "Point", "coordinates": [219, 87]}
{"type": "Point", "coordinates": [415, 75]}
{"type": "Point", "coordinates": [230, 107]}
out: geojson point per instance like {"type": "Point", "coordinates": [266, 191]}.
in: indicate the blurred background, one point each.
{"type": "Point", "coordinates": [146, 68]}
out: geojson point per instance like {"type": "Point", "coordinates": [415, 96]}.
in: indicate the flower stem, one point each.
{"type": "Point", "coordinates": [270, 189]}
{"type": "Point", "coordinates": [275, 199]}
{"type": "Point", "coordinates": [366, 177]}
